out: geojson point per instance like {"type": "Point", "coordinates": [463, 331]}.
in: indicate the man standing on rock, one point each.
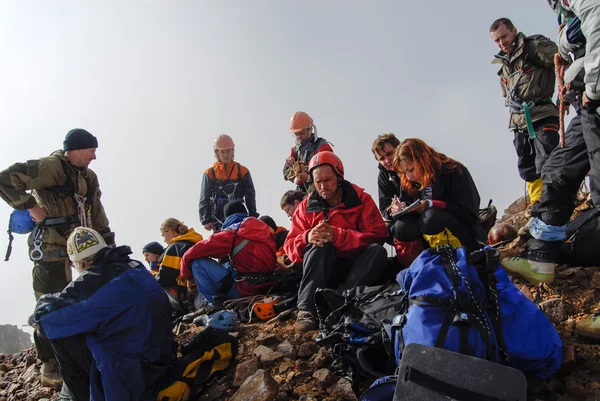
{"type": "Point", "coordinates": [60, 192]}
{"type": "Point", "coordinates": [567, 166]}
{"type": "Point", "coordinates": [336, 234]}
{"type": "Point", "coordinates": [527, 80]}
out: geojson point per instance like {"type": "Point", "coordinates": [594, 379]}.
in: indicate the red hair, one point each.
{"type": "Point", "coordinates": [417, 152]}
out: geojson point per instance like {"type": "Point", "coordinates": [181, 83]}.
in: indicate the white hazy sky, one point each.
{"type": "Point", "coordinates": [155, 81]}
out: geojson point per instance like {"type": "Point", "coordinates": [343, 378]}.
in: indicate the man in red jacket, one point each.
{"type": "Point", "coordinates": [336, 234]}
{"type": "Point", "coordinates": [250, 246]}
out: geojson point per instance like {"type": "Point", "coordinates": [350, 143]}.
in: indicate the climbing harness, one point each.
{"type": "Point", "coordinates": [223, 187]}
{"type": "Point", "coordinates": [517, 107]}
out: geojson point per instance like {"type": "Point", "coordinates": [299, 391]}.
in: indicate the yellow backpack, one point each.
{"type": "Point", "coordinates": [211, 351]}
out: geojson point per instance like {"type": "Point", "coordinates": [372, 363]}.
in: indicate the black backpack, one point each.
{"type": "Point", "coordinates": [581, 247]}
{"type": "Point", "coordinates": [357, 323]}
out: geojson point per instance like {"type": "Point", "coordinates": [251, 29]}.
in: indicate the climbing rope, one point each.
{"type": "Point", "coordinates": [563, 106]}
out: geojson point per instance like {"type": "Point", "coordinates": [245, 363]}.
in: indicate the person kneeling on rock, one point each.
{"type": "Point", "coordinates": [250, 248]}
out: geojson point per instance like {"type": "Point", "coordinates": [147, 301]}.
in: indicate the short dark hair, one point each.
{"type": "Point", "coordinates": [289, 197]}
{"type": "Point", "coordinates": [502, 21]}
{"type": "Point", "coordinates": [382, 140]}
{"type": "Point", "coordinates": [268, 220]}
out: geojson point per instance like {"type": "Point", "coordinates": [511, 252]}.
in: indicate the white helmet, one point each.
{"type": "Point", "coordinates": [83, 243]}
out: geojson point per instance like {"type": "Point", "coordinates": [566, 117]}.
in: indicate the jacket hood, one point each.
{"type": "Point", "coordinates": [234, 219]}
{"type": "Point", "coordinates": [191, 236]}
{"type": "Point", "coordinates": [112, 255]}
{"type": "Point", "coordinates": [350, 198]}
{"type": "Point", "coordinates": [61, 155]}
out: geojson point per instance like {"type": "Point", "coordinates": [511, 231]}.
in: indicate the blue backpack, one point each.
{"type": "Point", "coordinates": [466, 303]}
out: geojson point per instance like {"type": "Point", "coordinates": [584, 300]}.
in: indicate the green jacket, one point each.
{"type": "Point", "coordinates": [530, 67]}
{"type": "Point", "coordinates": [47, 178]}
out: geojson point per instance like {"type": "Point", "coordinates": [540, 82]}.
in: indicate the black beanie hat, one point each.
{"type": "Point", "coordinates": [268, 220]}
{"type": "Point", "coordinates": [234, 207]}
{"type": "Point", "coordinates": [78, 138]}
{"type": "Point", "coordinates": [153, 247]}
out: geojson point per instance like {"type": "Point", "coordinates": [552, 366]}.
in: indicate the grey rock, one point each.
{"type": "Point", "coordinates": [259, 387]}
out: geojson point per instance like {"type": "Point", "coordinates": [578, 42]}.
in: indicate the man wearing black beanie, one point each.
{"type": "Point", "coordinates": [61, 193]}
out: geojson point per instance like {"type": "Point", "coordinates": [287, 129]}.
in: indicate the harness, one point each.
{"type": "Point", "coordinates": [518, 107]}
{"type": "Point", "coordinates": [220, 195]}
{"type": "Point", "coordinates": [83, 216]}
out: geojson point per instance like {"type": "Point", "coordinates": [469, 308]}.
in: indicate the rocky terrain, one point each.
{"type": "Point", "coordinates": [274, 363]}
{"type": "Point", "coordinates": [13, 339]}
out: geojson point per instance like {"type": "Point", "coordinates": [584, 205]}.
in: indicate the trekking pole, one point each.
{"type": "Point", "coordinates": [559, 67]}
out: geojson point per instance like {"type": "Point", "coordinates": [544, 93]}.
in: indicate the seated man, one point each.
{"type": "Point", "coordinates": [110, 329]}
{"type": "Point", "coordinates": [153, 255]}
{"type": "Point", "coordinates": [388, 182]}
{"type": "Point", "coordinates": [336, 234]}
{"type": "Point", "coordinates": [248, 243]}
{"type": "Point", "coordinates": [290, 201]}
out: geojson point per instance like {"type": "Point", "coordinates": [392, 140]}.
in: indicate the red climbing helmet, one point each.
{"type": "Point", "coordinates": [326, 157]}
{"type": "Point", "coordinates": [501, 233]}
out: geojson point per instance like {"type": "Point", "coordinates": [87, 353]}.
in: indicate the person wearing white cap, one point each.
{"type": "Point", "coordinates": [113, 318]}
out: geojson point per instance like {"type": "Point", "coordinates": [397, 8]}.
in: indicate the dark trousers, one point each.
{"type": "Point", "coordinates": [590, 122]}
{"type": "Point", "coordinates": [323, 269]}
{"type": "Point", "coordinates": [562, 175]}
{"type": "Point", "coordinates": [433, 221]}
{"type": "Point", "coordinates": [533, 153]}
{"type": "Point", "coordinates": [48, 278]}
{"type": "Point", "coordinates": [75, 362]}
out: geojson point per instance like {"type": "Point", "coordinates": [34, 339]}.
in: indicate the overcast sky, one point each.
{"type": "Point", "coordinates": [155, 81]}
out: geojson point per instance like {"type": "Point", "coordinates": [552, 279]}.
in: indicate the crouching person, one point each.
{"type": "Point", "coordinates": [336, 235]}
{"type": "Point", "coordinates": [250, 247]}
{"type": "Point", "coordinates": [110, 329]}
{"type": "Point", "coordinates": [448, 208]}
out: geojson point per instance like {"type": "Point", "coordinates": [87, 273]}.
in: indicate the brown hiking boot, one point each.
{"type": "Point", "coordinates": [589, 328]}
{"type": "Point", "coordinates": [50, 375]}
{"type": "Point", "coordinates": [305, 322]}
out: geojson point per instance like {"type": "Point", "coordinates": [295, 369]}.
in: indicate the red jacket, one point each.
{"type": "Point", "coordinates": [257, 256]}
{"type": "Point", "coordinates": [356, 220]}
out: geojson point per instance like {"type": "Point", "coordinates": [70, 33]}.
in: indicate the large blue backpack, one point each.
{"type": "Point", "coordinates": [448, 305]}
{"type": "Point", "coordinates": [466, 303]}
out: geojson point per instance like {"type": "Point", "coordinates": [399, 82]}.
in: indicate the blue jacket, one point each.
{"type": "Point", "coordinates": [126, 319]}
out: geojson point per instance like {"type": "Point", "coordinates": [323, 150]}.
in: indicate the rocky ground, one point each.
{"type": "Point", "coordinates": [274, 363]}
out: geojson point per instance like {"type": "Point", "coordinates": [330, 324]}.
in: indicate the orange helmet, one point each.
{"type": "Point", "coordinates": [501, 233]}
{"type": "Point", "coordinates": [300, 120]}
{"type": "Point", "coordinates": [264, 309]}
{"type": "Point", "coordinates": [224, 141]}
{"type": "Point", "coordinates": [326, 157]}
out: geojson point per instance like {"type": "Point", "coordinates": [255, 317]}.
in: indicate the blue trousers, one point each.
{"type": "Point", "coordinates": [211, 277]}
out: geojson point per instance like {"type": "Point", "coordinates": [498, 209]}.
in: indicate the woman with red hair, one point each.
{"type": "Point", "coordinates": [444, 197]}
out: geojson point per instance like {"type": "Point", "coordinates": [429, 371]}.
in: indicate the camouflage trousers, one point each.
{"type": "Point", "coordinates": [48, 278]}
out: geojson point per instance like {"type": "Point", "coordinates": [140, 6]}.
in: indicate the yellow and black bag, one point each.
{"type": "Point", "coordinates": [211, 351]}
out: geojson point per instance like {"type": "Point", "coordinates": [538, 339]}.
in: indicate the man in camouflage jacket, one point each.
{"type": "Point", "coordinates": [61, 193]}
{"type": "Point", "coordinates": [527, 80]}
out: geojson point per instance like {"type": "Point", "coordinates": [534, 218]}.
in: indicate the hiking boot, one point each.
{"type": "Point", "coordinates": [535, 272]}
{"type": "Point", "coordinates": [589, 328]}
{"type": "Point", "coordinates": [50, 375]}
{"type": "Point", "coordinates": [305, 322]}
